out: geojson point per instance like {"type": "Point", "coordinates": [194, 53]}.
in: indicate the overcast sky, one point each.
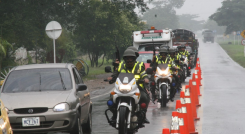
{"type": "Point", "coordinates": [203, 8]}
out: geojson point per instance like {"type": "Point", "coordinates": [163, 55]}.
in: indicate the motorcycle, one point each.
{"type": "Point", "coordinates": [163, 79]}
{"type": "Point", "coordinates": [125, 100]}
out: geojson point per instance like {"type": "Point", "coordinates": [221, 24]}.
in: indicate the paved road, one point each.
{"type": "Point", "coordinates": [223, 93]}
{"type": "Point", "coordinates": [159, 117]}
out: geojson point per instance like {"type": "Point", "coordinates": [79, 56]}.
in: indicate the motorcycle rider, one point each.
{"type": "Point", "coordinates": [162, 58]}
{"type": "Point", "coordinates": [136, 53]}
{"type": "Point", "coordinates": [130, 65]}
{"type": "Point", "coordinates": [174, 57]}
{"type": "Point", "coordinates": [183, 51]}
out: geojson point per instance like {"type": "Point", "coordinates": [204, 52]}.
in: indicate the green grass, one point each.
{"type": "Point", "coordinates": [93, 71]}
{"type": "Point", "coordinates": [236, 52]}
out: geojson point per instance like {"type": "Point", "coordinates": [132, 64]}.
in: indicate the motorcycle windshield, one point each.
{"type": "Point", "coordinates": [163, 66]}
{"type": "Point", "coordinates": [126, 77]}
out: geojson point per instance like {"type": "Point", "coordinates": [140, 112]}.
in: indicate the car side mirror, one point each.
{"type": "Point", "coordinates": [148, 61]}
{"type": "Point", "coordinates": [108, 69]}
{"type": "Point", "coordinates": [81, 87]}
{"type": "Point", "coordinates": [149, 71]}
{"type": "Point", "coordinates": [182, 59]}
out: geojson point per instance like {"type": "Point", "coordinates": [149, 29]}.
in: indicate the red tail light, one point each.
{"type": "Point", "coordinates": [189, 67]}
{"type": "Point", "coordinates": [143, 105]}
{"type": "Point", "coordinates": [179, 76]}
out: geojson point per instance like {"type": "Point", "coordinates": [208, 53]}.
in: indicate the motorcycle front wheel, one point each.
{"type": "Point", "coordinates": [122, 121]}
{"type": "Point", "coordinates": [164, 99]}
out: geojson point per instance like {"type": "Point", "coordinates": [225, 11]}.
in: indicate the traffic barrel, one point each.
{"type": "Point", "coordinates": [165, 131]}
{"type": "Point", "coordinates": [175, 123]}
{"type": "Point", "coordinates": [183, 119]}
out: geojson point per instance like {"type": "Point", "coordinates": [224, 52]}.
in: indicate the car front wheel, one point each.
{"type": "Point", "coordinates": [87, 128]}
{"type": "Point", "coordinates": [77, 129]}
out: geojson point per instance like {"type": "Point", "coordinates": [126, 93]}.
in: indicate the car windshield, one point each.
{"type": "Point", "coordinates": [33, 80]}
{"type": "Point", "coordinates": [143, 57]}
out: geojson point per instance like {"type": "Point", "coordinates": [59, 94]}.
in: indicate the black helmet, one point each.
{"type": "Point", "coordinates": [129, 52]}
{"type": "Point", "coordinates": [171, 50]}
{"type": "Point", "coordinates": [163, 50]}
{"type": "Point", "coordinates": [135, 50]}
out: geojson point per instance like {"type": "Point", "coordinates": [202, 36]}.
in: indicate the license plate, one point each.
{"type": "Point", "coordinates": [32, 121]}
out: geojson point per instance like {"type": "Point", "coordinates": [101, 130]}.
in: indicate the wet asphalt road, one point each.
{"type": "Point", "coordinates": [223, 93]}
{"type": "Point", "coordinates": [222, 110]}
{"type": "Point", "coordinates": [159, 117]}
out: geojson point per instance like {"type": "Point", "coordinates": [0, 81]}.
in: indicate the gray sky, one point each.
{"type": "Point", "coordinates": [203, 8]}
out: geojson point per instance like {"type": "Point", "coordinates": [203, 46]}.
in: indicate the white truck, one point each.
{"type": "Point", "coordinates": [144, 40]}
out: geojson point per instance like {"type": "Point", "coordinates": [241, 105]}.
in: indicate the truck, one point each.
{"type": "Point", "coordinates": [147, 41]}
{"type": "Point", "coordinates": [188, 38]}
{"type": "Point", "coordinates": [208, 36]}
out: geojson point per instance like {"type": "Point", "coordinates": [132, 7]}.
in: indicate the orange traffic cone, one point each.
{"type": "Point", "coordinates": [182, 115]}
{"type": "Point", "coordinates": [198, 84]}
{"type": "Point", "coordinates": [194, 94]}
{"type": "Point", "coordinates": [165, 131]}
{"type": "Point", "coordinates": [191, 125]}
{"type": "Point", "coordinates": [188, 99]}
{"type": "Point", "coordinates": [175, 123]}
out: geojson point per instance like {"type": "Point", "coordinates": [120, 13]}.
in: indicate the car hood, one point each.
{"type": "Point", "coordinates": [34, 99]}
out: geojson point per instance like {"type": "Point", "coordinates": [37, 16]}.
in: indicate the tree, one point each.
{"type": "Point", "coordinates": [231, 15]}
{"type": "Point", "coordinates": [100, 25]}
{"type": "Point", "coordinates": [163, 15]}
{"type": "Point", "coordinates": [187, 21]}
{"type": "Point", "coordinates": [212, 25]}
{"type": "Point", "coordinates": [4, 46]}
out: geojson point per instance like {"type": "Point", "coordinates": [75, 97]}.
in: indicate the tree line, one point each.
{"type": "Point", "coordinates": [91, 27]}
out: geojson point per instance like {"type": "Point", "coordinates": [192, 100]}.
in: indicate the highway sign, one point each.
{"type": "Point", "coordinates": [243, 42]}
{"type": "Point", "coordinates": [243, 33]}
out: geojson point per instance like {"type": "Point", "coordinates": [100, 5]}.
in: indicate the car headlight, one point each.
{"type": "Point", "coordinates": [125, 88]}
{"type": "Point", "coordinates": [61, 107]}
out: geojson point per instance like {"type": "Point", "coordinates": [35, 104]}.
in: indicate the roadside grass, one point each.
{"type": "Point", "coordinates": [236, 52]}
{"type": "Point", "coordinates": [93, 71]}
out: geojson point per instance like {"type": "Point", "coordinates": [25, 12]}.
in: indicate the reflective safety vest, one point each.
{"type": "Point", "coordinates": [186, 53]}
{"type": "Point", "coordinates": [137, 70]}
{"type": "Point", "coordinates": [159, 61]}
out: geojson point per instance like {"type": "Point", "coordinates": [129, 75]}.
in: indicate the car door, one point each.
{"type": "Point", "coordinates": [79, 94]}
{"type": "Point", "coordinates": [83, 95]}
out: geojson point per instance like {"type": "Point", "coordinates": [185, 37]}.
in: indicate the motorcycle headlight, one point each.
{"type": "Point", "coordinates": [165, 72]}
{"type": "Point", "coordinates": [125, 88]}
{"type": "Point", "coordinates": [61, 107]}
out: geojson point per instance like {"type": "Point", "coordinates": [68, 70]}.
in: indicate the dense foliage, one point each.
{"type": "Point", "coordinates": [231, 14]}
{"type": "Point", "coordinates": [93, 27]}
